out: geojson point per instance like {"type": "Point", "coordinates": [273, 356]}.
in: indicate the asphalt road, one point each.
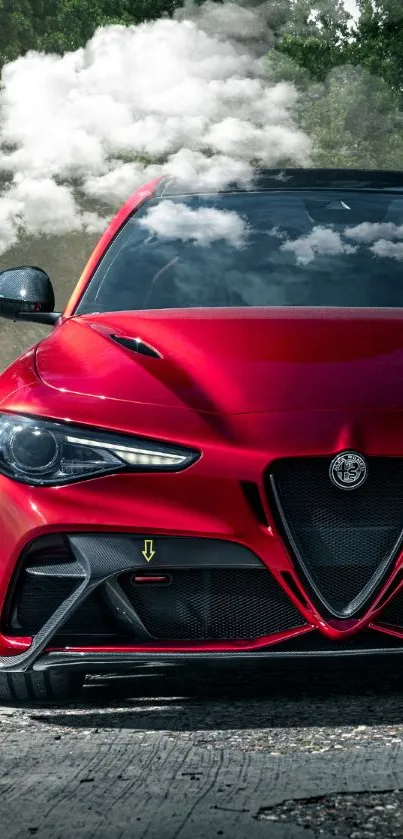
{"type": "Point", "coordinates": [182, 753]}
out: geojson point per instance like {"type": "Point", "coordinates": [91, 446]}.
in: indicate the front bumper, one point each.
{"type": "Point", "coordinates": [199, 522]}
{"type": "Point", "coordinates": [246, 616]}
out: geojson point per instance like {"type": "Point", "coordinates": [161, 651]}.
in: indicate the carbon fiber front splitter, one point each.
{"type": "Point", "coordinates": [113, 662]}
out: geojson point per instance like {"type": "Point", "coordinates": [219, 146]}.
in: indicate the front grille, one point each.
{"type": "Point", "coordinates": [216, 604]}
{"type": "Point", "coordinates": [393, 614]}
{"type": "Point", "coordinates": [343, 542]}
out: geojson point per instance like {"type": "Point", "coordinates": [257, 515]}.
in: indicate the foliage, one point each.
{"type": "Point", "coordinates": [378, 44]}
{"type": "Point", "coordinates": [353, 120]}
{"type": "Point", "coordinates": [62, 25]}
{"type": "Point", "coordinates": [350, 79]}
{"type": "Point", "coordinates": [316, 36]}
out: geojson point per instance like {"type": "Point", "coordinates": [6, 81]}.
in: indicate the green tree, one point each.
{"type": "Point", "coordinates": [349, 78]}
{"type": "Point", "coordinates": [62, 25]}
{"type": "Point", "coordinates": [316, 36]}
{"type": "Point", "coordinates": [378, 42]}
{"type": "Point", "coordinates": [15, 28]}
{"type": "Point", "coordinates": [354, 120]}
{"type": "Point", "coordinates": [320, 35]}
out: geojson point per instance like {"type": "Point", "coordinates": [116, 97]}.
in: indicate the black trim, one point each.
{"type": "Point", "coordinates": [136, 345]}
{"type": "Point", "coordinates": [288, 179]}
{"type": "Point", "coordinates": [252, 494]}
{"type": "Point", "coordinates": [125, 551]}
{"type": "Point", "coordinates": [123, 610]}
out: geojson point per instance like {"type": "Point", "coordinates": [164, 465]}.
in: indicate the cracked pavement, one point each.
{"type": "Point", "coordinates": [303, 750]}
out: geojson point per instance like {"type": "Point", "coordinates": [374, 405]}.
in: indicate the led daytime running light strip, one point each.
{"type": "Point", "coordinates": [134, 457]}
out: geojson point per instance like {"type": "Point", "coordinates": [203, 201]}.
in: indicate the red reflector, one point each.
{"type": "Point", "coordinates": [151, 578]}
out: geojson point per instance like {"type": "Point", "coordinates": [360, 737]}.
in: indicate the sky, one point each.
{"type": "Point", "coordinates": [351, 7]}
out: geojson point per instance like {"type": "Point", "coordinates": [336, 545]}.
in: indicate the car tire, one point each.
{"type": "Point", "coordinates": [50, 686]}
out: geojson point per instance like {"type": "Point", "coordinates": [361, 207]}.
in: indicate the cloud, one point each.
{"type": "Point", "coordinates": [352, 7]}
{"type": "Point", "coordinates": [277, 233]}
{"type": "Point", "coordinates": [175, 220]}
{"type": "Point", "coordinates": [322, 241]}
{"type": "Point", "coordinates": [368, 232]}
{"type": "Point", "coordinates": [390, 250]}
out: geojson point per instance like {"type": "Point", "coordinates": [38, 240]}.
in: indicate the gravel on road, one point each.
{"type": "Point", "coordinates": [310, 750]}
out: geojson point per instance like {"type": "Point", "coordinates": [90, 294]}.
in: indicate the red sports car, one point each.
{"type": "Point", "coordinates": [204, 458]}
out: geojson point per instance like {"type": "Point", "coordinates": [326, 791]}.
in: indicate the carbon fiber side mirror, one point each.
{"type": "Point", "coordinates": [26, 294]}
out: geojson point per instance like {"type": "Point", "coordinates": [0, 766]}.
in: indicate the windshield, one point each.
{"type": "Point", "coordinates": [313, 248]}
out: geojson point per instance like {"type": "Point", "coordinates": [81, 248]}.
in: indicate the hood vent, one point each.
{"type": "Point", "coordinates": [136, 345]}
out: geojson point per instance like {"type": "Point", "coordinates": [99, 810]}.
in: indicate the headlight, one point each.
{"type": "Point", "coordinates": [44, 453]}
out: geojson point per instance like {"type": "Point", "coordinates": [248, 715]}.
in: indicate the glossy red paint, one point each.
{"type": "Point", "coordinates": [244, 387]}
{"type": "Point", "coordinates": [233, 361]}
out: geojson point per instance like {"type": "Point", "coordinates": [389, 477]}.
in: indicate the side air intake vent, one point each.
{"type": "Point", "coordinates": [252, 495]}
{"type": "Point", "coordinates": [136, 345]}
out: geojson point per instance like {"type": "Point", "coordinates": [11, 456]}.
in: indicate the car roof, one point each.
{"type": "Point", "coordinates": [295, 179]}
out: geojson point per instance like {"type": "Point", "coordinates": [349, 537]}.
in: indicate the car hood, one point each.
{"type": "Point", "coordinates": [232, 361]}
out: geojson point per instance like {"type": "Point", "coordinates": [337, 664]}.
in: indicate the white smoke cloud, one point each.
{"type": "Point", "coordinates": [203, 225]}
{"type": "Point", "coordinates": [322, 241]}
{"type": "Point", "coordinates": [185, 97]}
{"type": "Point", "coordinates": [234, 23]}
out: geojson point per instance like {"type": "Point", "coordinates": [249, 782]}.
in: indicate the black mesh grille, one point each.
{"type": "Point", "coordinates": [213, 604]}
{"type": "Point", "coordinates": [91, 618]}
{"type": "Point", "coordinates": [343, 541]}
{"type": "Point", "coordinates": [393, 614]}
{"type": "Point", "coordinates": [37, 598]}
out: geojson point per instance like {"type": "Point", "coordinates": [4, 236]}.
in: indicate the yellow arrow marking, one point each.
{"type": "Point", "coordinates": [148, 551]}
